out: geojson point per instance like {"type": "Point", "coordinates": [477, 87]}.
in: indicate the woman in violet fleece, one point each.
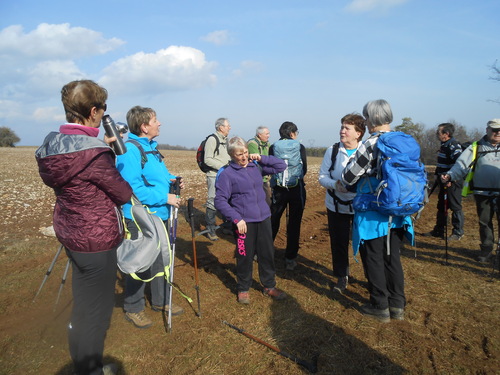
{"type": "Point", "coordinates": [87, 221]}
{"type": "Point", "coordinates": [240, 197]}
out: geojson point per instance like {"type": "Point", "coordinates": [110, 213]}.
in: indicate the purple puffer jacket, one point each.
{"type": "Point", "coordinates": [89, 190]}
{"type": "Point", "coordinates": [239, 193]}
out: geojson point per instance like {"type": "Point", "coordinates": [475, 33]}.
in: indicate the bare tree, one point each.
{"type": "Point", "coordinates": [496, 77]}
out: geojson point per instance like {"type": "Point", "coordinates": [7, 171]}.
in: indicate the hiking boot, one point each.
{"type": "Point", "coordinates": [290, 264]}
{"type": "Point", "coordinates": [176, 310]}
{"type": "Point", "coordinates": [140, 319]}
{"type": "Point", "coordinates": [455, 237]}
{"type": "Point", "coordinates": [274, 293]}
{"type": "Point", "coordinates": [212, 236]}
{"type": "Point", "coordinates": [381, 315]}
{"type": "Point", "coordinates": [434, 233]}
{"type": "Point", "coordinates": [110, 369]}
{"type": "Point", "coordinates": [341, 285]}
{"type": "Point", "coordinates": [486, 258]}
{"type": "Point", "coordinates": [244, 298]}
{"type": "Point", "coordinates": [397, 313]}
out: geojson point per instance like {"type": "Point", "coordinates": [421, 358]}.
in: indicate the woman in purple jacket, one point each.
{"type": "Point", "coordinates": [240, 197]}
{"type": "Point", "coordinates": [87, 221]}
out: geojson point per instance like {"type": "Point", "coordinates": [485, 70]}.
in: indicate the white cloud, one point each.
{"type": "Point", "coordinates": [173, 68]}
{"type": "Point", "coordinates": [49, 114]}
{"type": "Point", "coordinates": [369, 5]}
{"type": "Point", "coordinates": [248, 66]}
{"type": "Point", "coordinates": [55, 42]}
{"type": "Point", "coordinates": [219, 38]}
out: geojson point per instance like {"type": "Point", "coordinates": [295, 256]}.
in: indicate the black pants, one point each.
{"type": "Point", "coordinates": [486, 207]}
{"type": "Point", "coordinates": [454, 196]}
{"type": "Point", "coordinates": [384, 272]}
{"type": "Point", "coordinates": [339, 227]}
{"type": "Point", "coordinates": [94, 277]}
{"type": "Point", "coordinates": [258, 240]}
{"type": "Point", "coordinates": [295, 199]}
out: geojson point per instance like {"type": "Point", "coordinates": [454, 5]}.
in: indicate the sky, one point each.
{"type": "Point", "coordinates": [259, 62]}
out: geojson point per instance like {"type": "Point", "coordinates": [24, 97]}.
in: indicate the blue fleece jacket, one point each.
{"type": "Point", "coordinates": [155, 195]}
{"type": "Point", "coordinates": [239, 192]}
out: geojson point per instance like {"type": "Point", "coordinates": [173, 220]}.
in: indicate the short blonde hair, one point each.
{"type": "Point", "coordinates": [236, 144]}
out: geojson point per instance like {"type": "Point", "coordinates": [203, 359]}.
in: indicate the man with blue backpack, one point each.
{"type": "Point", "coordinates": [390, 183]}
{"type": "Point", "coordinates": [289, 189]}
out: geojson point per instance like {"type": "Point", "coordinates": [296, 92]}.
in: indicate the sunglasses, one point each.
{"type": "Point", "coordinates": [102, 106]}
{"type": "Point", "coordinates": [495, 130]}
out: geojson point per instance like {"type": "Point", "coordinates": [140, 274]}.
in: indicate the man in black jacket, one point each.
{"type": "Point", "coordinates": [448, 154]}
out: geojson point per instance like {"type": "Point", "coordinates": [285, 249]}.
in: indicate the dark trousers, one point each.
{"type": "Point", "coordinates": [258, 240]}
{"type": "Point", "coordinates": [454, 197]}
{"type": "Point", "coordinates": [339, 227]}
{"type": "Point", "coordinates": [384, 272]}
{"type": "Point", "coordinates": [486, 207]}
{"type": "Point", "coordinates": [94, 277]}
{"type": "Point", "coordinates": [295, 199]}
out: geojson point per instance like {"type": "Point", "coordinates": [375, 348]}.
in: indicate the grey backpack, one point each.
{"type": "Point", "coordinates": [136, 256]}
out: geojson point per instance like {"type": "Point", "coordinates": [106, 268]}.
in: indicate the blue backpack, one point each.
{"type": "Point", "coordinates": [402, 180]}
{"type": "Point", "coordinates": [289, 151]}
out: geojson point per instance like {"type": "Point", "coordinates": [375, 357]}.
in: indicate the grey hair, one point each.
{"type": "Point", "coordinates": [378, 112]}
{"type": "Point", "coordinates": [236, 144]}
{"type": "Point", "coordinates": [261, 130]}
{"type": "Point", "coordinates": [220, 122]}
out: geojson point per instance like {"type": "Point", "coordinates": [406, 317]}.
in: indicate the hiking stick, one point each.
{"type": "Point", "coordinates": [49, 270]}
{"type": "Point", "coordinates": [310, 366]}
{"type": "Point", "coordinates": [63, 281]}
{"type": "Point", "coordinates": [177, 192]}
{"type": "Point", "coordinates": [446, 222]}
{"type": "Point", "coordinates": [195, 260]}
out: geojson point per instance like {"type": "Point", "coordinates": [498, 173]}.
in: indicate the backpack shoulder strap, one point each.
{"type": "Point", "coordinates": [217, 142]}
{"type": "Point", "coordinates": [144, 157]}
{"type": "Point", "coordinates": [335, 151]}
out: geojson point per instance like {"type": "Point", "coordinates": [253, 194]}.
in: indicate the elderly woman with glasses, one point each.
{"type": "Point", "coordinates": [240, 197]}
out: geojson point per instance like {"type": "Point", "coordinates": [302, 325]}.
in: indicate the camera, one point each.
{"type": "Point", "coordinates": [114, 130]}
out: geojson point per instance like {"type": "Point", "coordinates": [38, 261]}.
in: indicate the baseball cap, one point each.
{"type": "Point", "coordinates": [494, 124]}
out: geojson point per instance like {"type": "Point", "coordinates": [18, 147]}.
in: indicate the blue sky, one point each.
{"type": "Point", "coordinates": [255, 62]}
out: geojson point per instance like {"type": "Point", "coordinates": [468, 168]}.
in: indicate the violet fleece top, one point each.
{"type": "Point", "coordinates": [239, 191]}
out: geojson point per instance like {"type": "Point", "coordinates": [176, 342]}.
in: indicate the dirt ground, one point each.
{"type": "Point", "coordinates": [451, 325]}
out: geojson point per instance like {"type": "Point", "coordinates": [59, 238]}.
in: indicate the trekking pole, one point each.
{"type": "Point", "coordinates": [49, 270]}
{"type": "Point", "coordinates": [195, 260]}
{"type": "Point", "coordinates": [310, 366]}
{"type": "Point", "coordinates": [446, 222]}
{"type": "Point", "coordinates": [63, 281]}
{"type": "Point", "coordinates": [177, 192]}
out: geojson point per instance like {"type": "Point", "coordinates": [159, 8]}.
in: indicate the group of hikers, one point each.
{"type": "Point", "coordinates": [251, 183]}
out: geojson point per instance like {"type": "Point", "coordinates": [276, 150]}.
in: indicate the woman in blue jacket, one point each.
{"type": "Point", "coordinates": [240, 197]}
{"type": "Point", "coordinates": [150, 180]}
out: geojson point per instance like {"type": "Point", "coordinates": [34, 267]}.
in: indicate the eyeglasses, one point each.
{"type": "Point", "coordinates": [495, 130]}
{"type": "Point", "coordinates": [102, 106]}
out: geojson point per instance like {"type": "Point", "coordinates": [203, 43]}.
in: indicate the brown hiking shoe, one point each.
{"type": "Point", "coordinates": [274, 293]}
{"type": "Point", "coordinates": [244, 298]}
{"type": "Point", "coordinates": [176, 310]}
{"type": "Point", "coordinates": [140, 319]}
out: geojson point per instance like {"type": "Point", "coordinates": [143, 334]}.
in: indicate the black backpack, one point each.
{"type": "Point", "coordinates": [200, 154]}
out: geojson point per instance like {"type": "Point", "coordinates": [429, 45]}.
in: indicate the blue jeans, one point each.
{"type": "Point", "coordinates": [134, 301]}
